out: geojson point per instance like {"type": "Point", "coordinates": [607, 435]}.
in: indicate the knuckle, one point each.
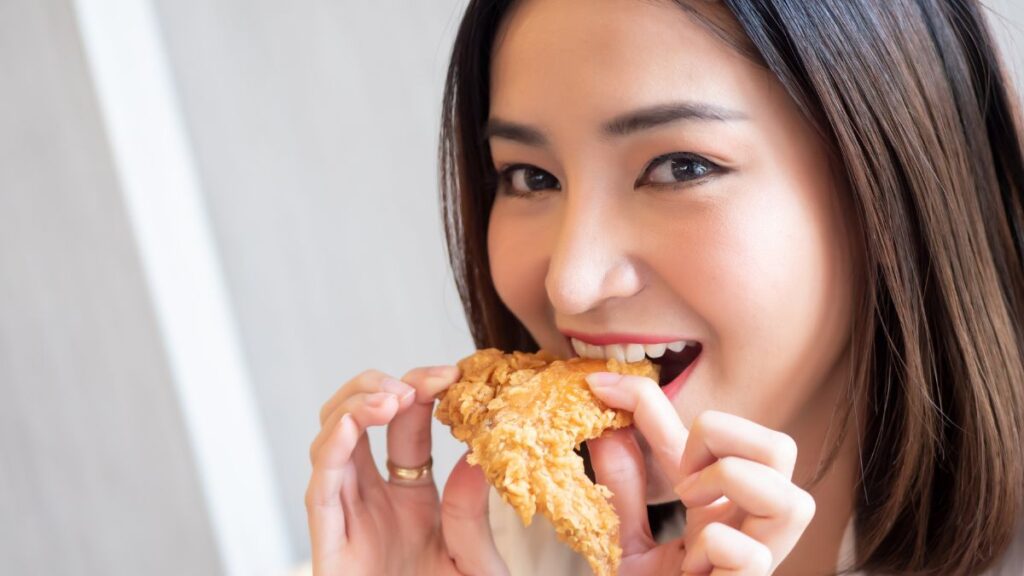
{"type": "Point", "coordinates": [314, 451]}
{"type": "Point", "coordinates": [703, 422]}
{"type": "Point", "coordinates": [318, 496]}
{"type": "Point", "coordinates": [325, 412]}
{"type": "Point", "coordinates": [786, 447]}
{"type": "Point", "coordinates": [706, 535]}
{"type": "Point", "coordinates": [308, 498]}
{"type": "Point", "coordinates": [714, 418]}
{"type": "Point", "coordinates": [712, 533]}
{"type": "Point", "coordinates": [312, 498]}
{"type": "Point", "coordinates": [804, 507]}
{"type": "Point", "coordinates": [729, 467]}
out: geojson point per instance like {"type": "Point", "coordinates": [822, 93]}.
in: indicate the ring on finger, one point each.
{"type": "Point", "coordinates": [415, 475]}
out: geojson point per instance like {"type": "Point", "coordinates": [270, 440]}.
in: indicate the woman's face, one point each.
{"type": "Point", "coordinates": [663, 187]}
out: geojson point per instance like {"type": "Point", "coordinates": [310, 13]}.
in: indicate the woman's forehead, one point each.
{"type": "Point", "coordinates": [596, 58]}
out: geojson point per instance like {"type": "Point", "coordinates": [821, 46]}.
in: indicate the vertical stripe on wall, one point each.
{"type": "Point", "coordinates": [165, 204]}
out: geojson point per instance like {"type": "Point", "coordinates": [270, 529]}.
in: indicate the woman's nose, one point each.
{"type": "Point", "coordinates": [591, 261]}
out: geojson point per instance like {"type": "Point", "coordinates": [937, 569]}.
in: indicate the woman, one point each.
{"type": "Point", "coordinates": [822, 200]}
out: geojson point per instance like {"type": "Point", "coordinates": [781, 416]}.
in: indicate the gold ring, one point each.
{"type": "Point", "coordinates": [409, 474]}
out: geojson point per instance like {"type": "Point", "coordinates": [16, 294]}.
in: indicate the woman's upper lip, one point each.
{"type": "Point", "coordinates": [607, 338]}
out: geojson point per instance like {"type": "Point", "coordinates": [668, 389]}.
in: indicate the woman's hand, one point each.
{"type": "Point", "coordinates": [749, 532]}
{"type": "Point", "coordinates": [361, 523]}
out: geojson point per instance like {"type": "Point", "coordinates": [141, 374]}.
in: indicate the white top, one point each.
{"type": "Point", "coordinates": [536, 550]}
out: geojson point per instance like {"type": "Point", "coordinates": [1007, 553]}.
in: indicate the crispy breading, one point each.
{"type": "Point", "coordinates": [523, 415]}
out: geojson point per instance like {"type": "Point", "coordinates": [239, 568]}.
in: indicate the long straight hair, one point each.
{"type": "Point", "coordinates": [914, 101]}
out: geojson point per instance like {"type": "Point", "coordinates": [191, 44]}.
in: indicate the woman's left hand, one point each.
{"type": "Point", "coordinates": [749, 532]}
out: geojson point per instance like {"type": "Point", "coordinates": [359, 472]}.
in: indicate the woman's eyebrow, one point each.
{"type": "Point", "coordinates": [650, 117]}
{"type": "Point", "coordinates": [622, 125]}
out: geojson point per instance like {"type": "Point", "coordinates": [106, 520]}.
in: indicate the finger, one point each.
{"type": "Point", "coordinates": [782, 533]}
{"type": "Point", "coordinates": [722, 511]}
{"type": "Point", "coordinates": [752, 486]}
{"type": "Point", "coordinates": [464, 522]}
{"type": "Point", "coordinates": [424, 382]}
{"type": "Point", "coordinates": [374, 408]}
{"type": "Point", "coordinates": [429, 381]}
{"type": "Point", "coordinates": [653, 415]}
{"type": "Point", "coordinates": [366, 410]}
{"type": "Point", "coordinates": [619, 464]}
{"type": "Point", "coordinates": [721, 549]}
{"type": "Point", "coordinates": [779, 511]}
{"type": "Point", "coordinates": [325, 505]}
{"type": "Point", "coordinates": [409, 433]}
{"type": "Point", "coordinates": [365, 386]}
{"type": "Point", "coordinates": [715, 435]}
{"type": "Point", "coordinates": [367, 381]}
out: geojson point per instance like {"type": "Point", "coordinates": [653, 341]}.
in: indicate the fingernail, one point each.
{"type": "Point", "coordinates": [603, 379]}
{"type": "Point", "coordinates": [396, 387]}
{"type": "Point", "coordinates": [687, 483]}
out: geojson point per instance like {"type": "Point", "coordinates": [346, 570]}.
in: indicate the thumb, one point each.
{"type": "Point", "coordinates": [464, 522]}
{"type": "Point", "coordinates": [619, 464]}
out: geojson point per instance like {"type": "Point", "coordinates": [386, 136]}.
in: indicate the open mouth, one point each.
{"type": "Point", "coordinates": [672, 364]}
{"type": "Point", "coordinates": [672, 358]}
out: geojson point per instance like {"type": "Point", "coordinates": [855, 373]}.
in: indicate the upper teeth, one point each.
{"type": "Point", "coordinates": [626, 352]}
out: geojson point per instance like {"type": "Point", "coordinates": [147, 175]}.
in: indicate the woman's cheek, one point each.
{"type": "Point", "coordinates": [517, 247]}
{"type": "Point", "coordinates": [773, 297]}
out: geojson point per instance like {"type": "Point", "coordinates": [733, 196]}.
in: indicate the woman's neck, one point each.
{"type": "Point", "coordinates": [818, 549]}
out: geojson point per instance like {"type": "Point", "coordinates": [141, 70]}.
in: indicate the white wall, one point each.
{"type": "Point", "coordinates": [314, 125]}
{"type": "Point", "coordinates": [96, 473]}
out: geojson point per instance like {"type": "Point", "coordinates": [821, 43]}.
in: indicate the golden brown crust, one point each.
{"type": "Point", "coordinates": [522, 416]}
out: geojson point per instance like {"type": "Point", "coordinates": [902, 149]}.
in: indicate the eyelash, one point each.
{"type": "Point", "coordinates": [711, 169]}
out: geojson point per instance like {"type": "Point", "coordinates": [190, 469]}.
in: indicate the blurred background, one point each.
{"type": "Point", "coordinates": [212, 214]}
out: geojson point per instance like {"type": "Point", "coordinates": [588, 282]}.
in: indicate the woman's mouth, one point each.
{"type": "Point", "coordinates": [674, 359]}
{"type": "Point", "coordinates": [673, 364]}
{"type": "Point", "coordinates": [676, 368]}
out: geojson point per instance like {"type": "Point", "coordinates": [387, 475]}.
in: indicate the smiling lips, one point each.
{"type": "Point", "coordinates": [673, 356]}
{"type": "Point", "coordinates": [628, 352]}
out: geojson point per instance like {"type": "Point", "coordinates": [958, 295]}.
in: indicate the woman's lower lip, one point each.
{"type": "Point", "coordinates": [672, 388]}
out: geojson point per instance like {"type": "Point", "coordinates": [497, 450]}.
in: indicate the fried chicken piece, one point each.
{"type": "Point", "coordinates": [523, 415]}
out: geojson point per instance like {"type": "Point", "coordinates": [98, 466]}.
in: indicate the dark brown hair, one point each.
{"type": "Point", "coordinates": [913, 99]}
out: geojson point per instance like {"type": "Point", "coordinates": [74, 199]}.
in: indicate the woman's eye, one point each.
{"type": "Point", "coordinates": [525, 180]}
{"type": "Point", "coordinates": [677, 168]}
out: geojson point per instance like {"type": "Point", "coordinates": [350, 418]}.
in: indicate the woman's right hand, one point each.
{"type": "Point", "coordinates": [361, 523]}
